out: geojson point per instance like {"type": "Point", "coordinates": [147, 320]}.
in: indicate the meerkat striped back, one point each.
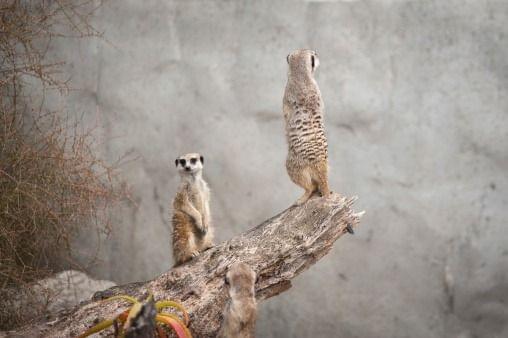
{"type": "Point", "coordinates": [305, 128]}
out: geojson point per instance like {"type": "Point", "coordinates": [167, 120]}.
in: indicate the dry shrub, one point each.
{"type": "Point", "coordinates": [52, 183]}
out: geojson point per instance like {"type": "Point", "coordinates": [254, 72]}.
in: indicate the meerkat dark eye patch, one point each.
{"type": "Point", "coordinates": [312, 61]}
{"type": "Point", "coordinates": [193, 160]}
{"type": "Point", "coordinates": [182, 162]}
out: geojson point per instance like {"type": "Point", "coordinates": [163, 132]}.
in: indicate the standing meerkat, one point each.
{"type": "Point", "coordinates": [192, 231]}
{"type": "Point", "coordinates": [241, 311]}
{"type": "Point", "coordinates": [307, 160]}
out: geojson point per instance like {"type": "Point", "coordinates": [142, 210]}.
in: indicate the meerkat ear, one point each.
{"type": "Point", "coordinates": [176, 162]}
{"type": "Point", "coordinates": [313, 62]}
{"type": "Point", "coordinates": [287, 59]}
{"type": "Point", "coordinates": [202, 159]}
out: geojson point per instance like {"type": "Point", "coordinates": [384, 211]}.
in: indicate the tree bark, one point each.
{"type": "Point", "coordinates": [278, 250]}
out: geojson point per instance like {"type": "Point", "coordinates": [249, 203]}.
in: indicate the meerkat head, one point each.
{"type": "Point", "coordinates": [189, 164]}
{"type": "Point", "coordinates": [302, 61]}
{"type": "Point", "coordinates": [241, 279]}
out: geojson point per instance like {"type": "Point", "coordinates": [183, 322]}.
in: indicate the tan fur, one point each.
{"type": "Point", "coordinates": [307, 160]}
{"type": "Point", "coordinates": [192, 230]}
{"type": "Point", "coordinates": [241, 311]}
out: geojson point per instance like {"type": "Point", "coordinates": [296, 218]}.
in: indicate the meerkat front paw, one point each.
{"type": "Point", "coordinates": [194, 254]}
{"type": "Point", "coordinates": [204, 228]}
{"type": "Point", "coordinates": [199, 223]}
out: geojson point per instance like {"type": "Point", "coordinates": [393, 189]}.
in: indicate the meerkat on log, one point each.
{"type": "Point", "coordinates": [241, 310]}
{"type": "Point", "coordinates": [307, 159]}
{"type": "Point", "coordinates": [192, 230]}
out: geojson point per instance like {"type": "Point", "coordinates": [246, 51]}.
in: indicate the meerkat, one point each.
{"type": "Point", "coordinates": [192, 230]}
{"type": "Point", "coordinates": [241, 310]}
{"type": "Point", "coordinates": [307, 159]}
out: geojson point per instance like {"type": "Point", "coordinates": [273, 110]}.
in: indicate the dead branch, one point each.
{"type": "Point", "coordinates": [279, 249]}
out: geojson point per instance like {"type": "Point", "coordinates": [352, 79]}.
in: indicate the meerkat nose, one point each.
{"type": "Point", "coordinates": [187, 168]}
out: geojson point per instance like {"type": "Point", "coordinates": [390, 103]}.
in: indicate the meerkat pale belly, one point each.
{"type": "Point", "coordinates": [305, 131]}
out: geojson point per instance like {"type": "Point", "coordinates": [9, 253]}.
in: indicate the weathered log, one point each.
{"type": "Point", "coordinates": [278, 250]}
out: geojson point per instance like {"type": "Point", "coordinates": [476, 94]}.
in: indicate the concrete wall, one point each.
{"type": "Point", "coordinates": [417, 122]}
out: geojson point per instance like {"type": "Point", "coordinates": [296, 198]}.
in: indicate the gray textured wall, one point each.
{"type": "Point", "coordinates": [417, 121]}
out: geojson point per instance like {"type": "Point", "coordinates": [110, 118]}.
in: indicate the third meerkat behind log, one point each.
{"type": "Point", "coordinates": [241, 310]}
{"type": "Point", "coordinates": [307, 160]}
{"type": "Point", "coordinates": [192, 230]}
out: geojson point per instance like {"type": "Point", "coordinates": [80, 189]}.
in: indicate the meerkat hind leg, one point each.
{"type": "Point", "coordinates": [205, 243]}
{"type": "Point", "coordinates": [185, 249]}
{"type": "Point", "coordinates": [323, 189]}
{"type": "Point", "coordinates": [303, 179]}
{"type": "Point", "coordinates": [305, 197]}
{"type": "Point", "coordinates": [320, 175]}
{"type": "Point", "coordinates": [208, 245]}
